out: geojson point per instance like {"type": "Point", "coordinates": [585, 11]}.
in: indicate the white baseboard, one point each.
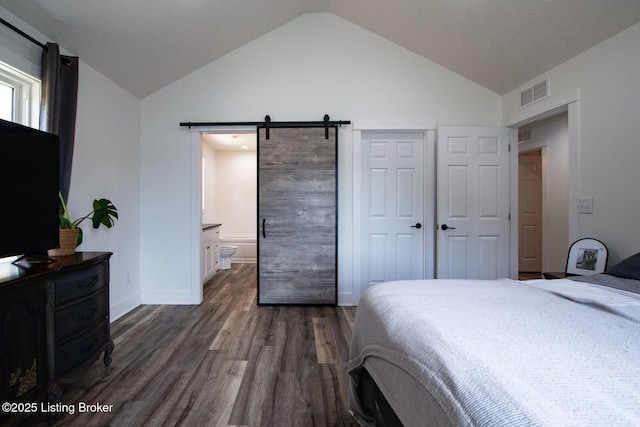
{"type": "Point", "coordinates": [169, 297]}
{"type": "Point", "coordinates": [244, 260]}
{"type": "Point", "coordinates": [247, 251]}
{"type": "Point", "coordinates": [346, 299]}
{"type": "Point", "coordinates": [123, 307]}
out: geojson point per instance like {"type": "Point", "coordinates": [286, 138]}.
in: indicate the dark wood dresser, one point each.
{"type": "Point", "coordinates": [54, 322]}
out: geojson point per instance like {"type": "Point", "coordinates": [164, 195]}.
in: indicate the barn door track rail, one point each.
{"type": "Point", "coordinates": [267, 124]}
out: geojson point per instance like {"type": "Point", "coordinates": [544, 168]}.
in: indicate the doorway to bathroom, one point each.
{"type": "Point", "coordinates": [229, 190]}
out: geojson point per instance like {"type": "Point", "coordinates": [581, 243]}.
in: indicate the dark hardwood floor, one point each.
{"type": "Point", "coordinates": [529, 276]}
{"type": "Point", "coordinates": [224, 362]}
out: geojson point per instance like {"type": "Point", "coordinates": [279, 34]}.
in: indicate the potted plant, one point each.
{"type": "Point", "coordinates": [104, 213]}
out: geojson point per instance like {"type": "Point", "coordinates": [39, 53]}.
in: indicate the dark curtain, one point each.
{"type": "Point", "coordinates": [59, 104]}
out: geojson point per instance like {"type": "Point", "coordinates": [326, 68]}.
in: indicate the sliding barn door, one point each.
{"type": "Point", "coordinates": [297, 216]}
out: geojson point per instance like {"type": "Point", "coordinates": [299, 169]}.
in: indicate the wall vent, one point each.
{"type": "Point", "coordinates": [524, 135]}
{"type": "Point", "coordinates": [534, 93]}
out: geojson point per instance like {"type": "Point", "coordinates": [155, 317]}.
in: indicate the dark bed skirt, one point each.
{"type": "Point", "coordinates": [375, 405]}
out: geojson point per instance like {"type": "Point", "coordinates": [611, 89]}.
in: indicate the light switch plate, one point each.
{"type": "Point", "coordinates": [585, 205]}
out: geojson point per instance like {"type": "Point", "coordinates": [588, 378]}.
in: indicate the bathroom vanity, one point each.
{"type": "Point", "coordinates": [209, 251]}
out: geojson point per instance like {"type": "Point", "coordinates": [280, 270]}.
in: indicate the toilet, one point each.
{"type": "Point", "coordinates": [225, 256]}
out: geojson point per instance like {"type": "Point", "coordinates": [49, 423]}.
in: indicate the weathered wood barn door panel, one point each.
{"type": "Point", "coordinates": [297, 215]}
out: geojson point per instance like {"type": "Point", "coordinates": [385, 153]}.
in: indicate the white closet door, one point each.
{"type": "Point", "coordinates": [473, 203]}
{"type": "Point", "coordinates": [393, 229]}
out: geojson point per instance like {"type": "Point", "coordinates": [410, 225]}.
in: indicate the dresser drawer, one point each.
{"type": "Point", "coordinates": [75, 285]}
{"type": "Point", "coordinates": [83, 348]}
{"type": "Point", "coordinates": [80, 316]}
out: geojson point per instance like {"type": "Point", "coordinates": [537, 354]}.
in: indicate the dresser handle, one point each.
{"type": "Point", "coordinates": [88, 282]}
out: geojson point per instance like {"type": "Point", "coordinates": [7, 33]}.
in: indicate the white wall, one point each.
{"type": "Point", "coordinates": [231, 191]}
{"type": "Point", "coordinates": [106, 161]}
{"type": "Point", "coordinates": [236, 193]}
{"type": "Point", "coordinates": [314, 65]}
{"type": "Point", "coordinates": [210, 211]}
{"type": "Point", "coordinates": [607, 78]}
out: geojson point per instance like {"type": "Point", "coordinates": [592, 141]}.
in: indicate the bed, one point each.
{"type": "Point", "coordinates": [499, 352]}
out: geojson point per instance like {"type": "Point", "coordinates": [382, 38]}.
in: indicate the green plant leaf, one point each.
{"type": "Point", "coordinates": [65, 221]}
{"type": "Point", "coordinates": [65, 224]}
{"type": "Point", "coordinates": [104, 212]}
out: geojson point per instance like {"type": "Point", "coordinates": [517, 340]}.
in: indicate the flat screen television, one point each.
{"type": "Point", "coordinates": [29, 204]}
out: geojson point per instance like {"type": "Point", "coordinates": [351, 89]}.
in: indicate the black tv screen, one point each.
{"type": "Point", "coordinates": [29, 204]}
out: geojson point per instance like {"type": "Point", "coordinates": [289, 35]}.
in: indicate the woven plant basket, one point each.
{"type": "Point", "coordinates": [68, 243]}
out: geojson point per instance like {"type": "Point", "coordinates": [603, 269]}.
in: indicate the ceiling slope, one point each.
{"type": "Point", "coordinates": [144, 45]}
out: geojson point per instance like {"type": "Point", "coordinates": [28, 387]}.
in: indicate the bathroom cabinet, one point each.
{"type": "Point", "coordinates": [297, 216]}
{"type": "Point", "coordinates": [209, 251]}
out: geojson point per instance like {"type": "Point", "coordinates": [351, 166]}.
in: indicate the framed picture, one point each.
{"type": "Point", "coordinates": [587, 256]}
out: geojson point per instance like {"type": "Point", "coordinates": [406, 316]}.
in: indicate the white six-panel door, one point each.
{"type": "Point", "coordinates": [473, 203]}
{"type": "Point", "coordinates": [392, 206]}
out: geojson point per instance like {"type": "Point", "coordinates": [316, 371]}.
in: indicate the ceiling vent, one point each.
{"type": "Point", "coordinates": [534, 93]}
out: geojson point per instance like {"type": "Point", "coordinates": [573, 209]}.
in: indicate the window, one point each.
{"type": "Point", "coordinates": [19, 96]}
{"type": "Point", "coordinates": [6, 102]}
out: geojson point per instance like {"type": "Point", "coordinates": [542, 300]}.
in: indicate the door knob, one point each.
{"type": "Point", "coordinates": [418, 226]}
{"type": "Point", "coordinates": [446, 227]}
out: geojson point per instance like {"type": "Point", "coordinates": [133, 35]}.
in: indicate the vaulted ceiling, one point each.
{"type": "Point", "coordinates": [144, 45]}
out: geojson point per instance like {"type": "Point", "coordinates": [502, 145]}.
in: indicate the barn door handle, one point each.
{"type": "Point", "coordinates": [418, 226]}
{"type": "Point", "coordinates": [446, 227]}
{"type": "Point", "coordinates": [264, 231]}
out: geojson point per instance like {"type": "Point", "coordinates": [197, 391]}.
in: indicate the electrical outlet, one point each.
{"type": "Point", "coordinates": [585, 205]}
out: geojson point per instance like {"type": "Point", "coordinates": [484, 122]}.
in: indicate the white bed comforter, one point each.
{"type": "Point", "coordinates": [506, 353]}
